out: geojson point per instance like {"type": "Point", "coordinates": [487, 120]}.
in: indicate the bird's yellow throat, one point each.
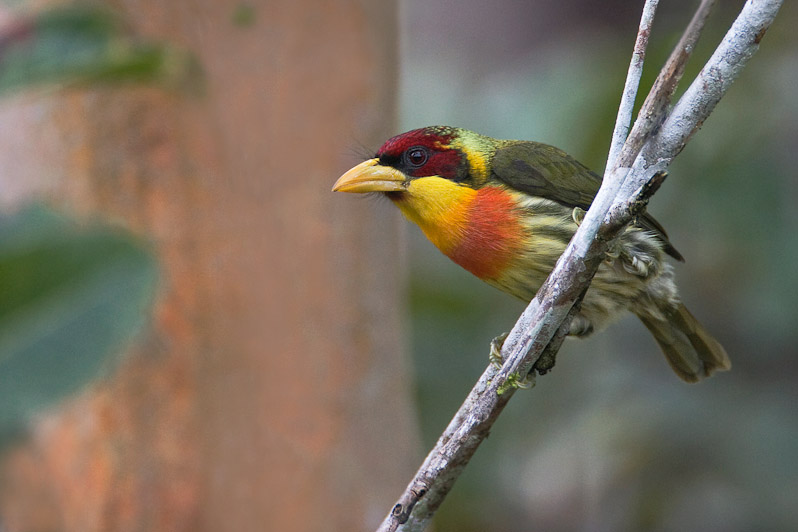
{"type": "Point", "coordinates": [477, 229]}
{"type": "Point", "coordinates": [439, 207]}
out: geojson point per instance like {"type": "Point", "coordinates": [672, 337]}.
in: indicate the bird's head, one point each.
{"type": "Point", "coordinates": [415, 160]}
{"type": "Point", "coordinates": [436, 176]}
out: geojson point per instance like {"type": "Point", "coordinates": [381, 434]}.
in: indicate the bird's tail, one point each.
{"type": "Point", "coordinates": [691, 351]}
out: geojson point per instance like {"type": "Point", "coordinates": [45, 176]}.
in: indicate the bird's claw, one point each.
{"type": "Point", "coordinates": [613, 252]}
{"type": "Point", "coordinates": [514, 380]}
{"type": "Point", "coordinates": [526, 382]}
{"type": "Point", "coordinates": [495, 355]}
{"type": "Point", "coordinates": [578, 214]}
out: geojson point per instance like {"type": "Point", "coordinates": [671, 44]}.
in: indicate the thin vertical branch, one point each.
{"type": "Point", "coordinates": [652, 112]}
{"type": "Point", "coordinates": [624, 118]}
{"type": "Point", "coordinates": [655, 106]}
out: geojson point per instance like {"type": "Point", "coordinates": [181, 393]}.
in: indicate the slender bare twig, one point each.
{"type": "Point", "coordinates": [654, 108]}
{"type": "Point", "coordinates": [625, 108]}
{"type": "Point", "coordinates": [608, 215]}
{"type": "Point", "coordinates": [652, 112]}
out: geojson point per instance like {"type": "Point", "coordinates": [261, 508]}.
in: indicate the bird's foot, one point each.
{"type": "Point", "coordinates": [639, 257]}
{"type": "Point", "coordinates": [495, 355]}
{"type": "Point", "coordinates": [578, 214]}
{"type": "Point", "coordinates": [638, 265]}
{"type": "Point", "coordinates": [514, 380]}
{"type": "Point", "coordinates": [613, 252]}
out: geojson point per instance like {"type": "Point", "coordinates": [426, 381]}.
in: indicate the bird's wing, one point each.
{"type": "Point", "coordinates": [548, 172]}
{"type": "Point", "coordinates": [545, 171]}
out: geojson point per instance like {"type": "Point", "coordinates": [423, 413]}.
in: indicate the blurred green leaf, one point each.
{"type": "Point", "coordinates": [84, 45]}
{"type": "Point", "coordinates": [244, 15]}
{"type": "Point", "coordinates": [68, 296]}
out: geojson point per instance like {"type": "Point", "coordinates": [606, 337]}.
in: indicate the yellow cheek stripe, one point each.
{"type": "Point", "coordinates": [439, 207]}
{"type": "Point", "coordinates": [478, 164]}
{"type": "Point", "coordinates": [475, 149]}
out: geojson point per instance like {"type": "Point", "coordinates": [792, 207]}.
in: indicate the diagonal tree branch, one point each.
{"type": "Point", "coordinates": [629, 181]}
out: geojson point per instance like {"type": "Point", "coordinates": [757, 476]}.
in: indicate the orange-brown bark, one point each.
{"type": "Point", "coordinates": [269, 392]}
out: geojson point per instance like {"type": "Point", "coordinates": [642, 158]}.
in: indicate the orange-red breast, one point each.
{"type": "Point", "coordinates": [505, 211]}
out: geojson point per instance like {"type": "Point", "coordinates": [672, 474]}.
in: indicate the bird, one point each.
{"type": "Point", "coordinates": [505, 210]}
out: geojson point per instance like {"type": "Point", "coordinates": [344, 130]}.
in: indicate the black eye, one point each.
{"type": "Point", "coordinates": [416, 156]}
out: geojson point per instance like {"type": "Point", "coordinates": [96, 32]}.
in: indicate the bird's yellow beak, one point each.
{"type": "Point", "coordinates": [371, 176]}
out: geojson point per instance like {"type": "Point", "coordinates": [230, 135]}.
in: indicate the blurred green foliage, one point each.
{"type": "Point", "coordinates": [244, 15]}
{"type": "Point", "coordinates": [79, 44]}
{"type": "Point", "coordinates": [69, 295]}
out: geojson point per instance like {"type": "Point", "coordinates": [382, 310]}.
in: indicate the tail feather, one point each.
{"type": "Point", "coordinates": [691, 351]}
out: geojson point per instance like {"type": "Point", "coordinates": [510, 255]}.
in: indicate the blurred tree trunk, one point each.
{"type": "Point", "coordinates": [271, 392]}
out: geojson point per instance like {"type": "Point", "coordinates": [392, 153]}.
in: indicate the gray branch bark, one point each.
{"type": "Point", "coordinates": [629, 180]}
{"type": "Point", "coordinates": [633, 76]}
